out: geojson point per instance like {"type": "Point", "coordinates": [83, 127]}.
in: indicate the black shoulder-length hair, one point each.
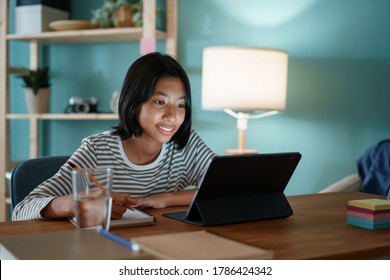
{"type": "Point", "coordinates": [138, 87]}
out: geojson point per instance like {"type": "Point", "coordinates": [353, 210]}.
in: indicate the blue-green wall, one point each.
{"type": "Point", "coordinates": [338, 84]}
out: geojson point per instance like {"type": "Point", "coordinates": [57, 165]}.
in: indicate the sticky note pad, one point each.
{"type": "Point", "coordinates": [366, 223]}
{"type": "Point", "coordinates": [371, 203]}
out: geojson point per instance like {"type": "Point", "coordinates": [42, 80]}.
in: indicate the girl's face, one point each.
{"type": "Point", "coordinates": [162, 115]}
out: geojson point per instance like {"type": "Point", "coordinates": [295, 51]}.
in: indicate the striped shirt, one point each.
{"type": "Point", "coordinates": [173, 170]}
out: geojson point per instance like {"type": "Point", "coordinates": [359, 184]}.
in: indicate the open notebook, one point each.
{"type": "Point", "coordinates": [134, 218]}
{"type": "Point", "coordinates": [131, 218]}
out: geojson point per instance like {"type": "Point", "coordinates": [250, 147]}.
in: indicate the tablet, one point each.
{"type": "Point", "coordinates": [241, 188]}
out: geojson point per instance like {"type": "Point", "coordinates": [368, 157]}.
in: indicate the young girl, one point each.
{"type": "Point", "coordinates": [153, 151]}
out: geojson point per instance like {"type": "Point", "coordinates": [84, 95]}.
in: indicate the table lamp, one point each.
{"type": "Point", "coordinates": [247, 83]}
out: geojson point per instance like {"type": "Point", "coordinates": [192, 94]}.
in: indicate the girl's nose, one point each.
{"type": "Point", "coordinates": [170, 113]}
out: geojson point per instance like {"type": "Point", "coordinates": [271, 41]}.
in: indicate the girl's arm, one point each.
{"type": "Point", "coordinates": [162, 200]}
{"type": "Point", "coordinates": [59, 207]}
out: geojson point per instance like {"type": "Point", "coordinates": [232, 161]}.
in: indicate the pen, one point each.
{"type": "Point", "coordinates": [124, 242]}
{"type": "Point", "coordinates": [93, 179]}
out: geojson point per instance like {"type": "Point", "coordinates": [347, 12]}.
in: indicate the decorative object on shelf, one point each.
{"type": "Point", "coordinates": [37, 103]}
{"type": "Point", "coordinates": [136, 6]}
{"type": "Point", "coordinates": [63, 25]}
{"type": "Point", "coordinates": [123, 16]}
{"type": "Point", "coordinates": [37, 90]}
{"type": "Point", "coordinates": [82, 105]}
{"type": "Point", "coordinates": [34, 16]}
{"type": "Point", "coordinates": [114, 101]}
{"type": "Point", "coordinates": [118, 13]}
{"type": "Point", "coordinates": [253, 86]}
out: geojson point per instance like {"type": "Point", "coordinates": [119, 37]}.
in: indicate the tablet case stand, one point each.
{"type": "Point", "coordinates": [235, 209]}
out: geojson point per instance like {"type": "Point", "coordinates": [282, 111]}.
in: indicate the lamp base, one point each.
{"type": "Point", "coordinates": [240, 152]}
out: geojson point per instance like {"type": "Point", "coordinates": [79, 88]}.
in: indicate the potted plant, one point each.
{"type": "Point", "coordinates": [37, 90]}
{"type": "Point", "coordinates": [118, 13]}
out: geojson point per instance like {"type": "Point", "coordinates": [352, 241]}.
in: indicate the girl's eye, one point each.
{"type": "Point", "coordinates": [160, 102]}
{"type": "Point", "coordinates": [181, 106]}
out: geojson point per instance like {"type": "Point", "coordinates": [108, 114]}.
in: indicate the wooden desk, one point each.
{"type": "Point", "coordinates": [317, 230]}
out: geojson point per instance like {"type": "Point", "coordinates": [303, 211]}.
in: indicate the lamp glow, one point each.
{"type": "Point", "coordinates": [241, 81]}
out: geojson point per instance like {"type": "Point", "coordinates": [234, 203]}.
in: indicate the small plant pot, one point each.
{"type": "Point", "coordinates": [39, 103]}
{"type": "Point", "coordinates": [123, 16]}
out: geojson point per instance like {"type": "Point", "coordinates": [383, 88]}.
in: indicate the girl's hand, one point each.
{"type": "Point", "coordinates": [162, 200]}
{"type": "Point", "coordinates": [152, 201]}
{"type": "Point", "coordinates": [120, 203]}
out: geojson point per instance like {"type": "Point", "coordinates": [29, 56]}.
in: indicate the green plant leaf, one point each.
{"type": "Point", "coordinates": [36, 79]}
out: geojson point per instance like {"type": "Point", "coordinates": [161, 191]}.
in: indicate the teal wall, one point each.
{"type": "Point", "coordinates": [338, 83]}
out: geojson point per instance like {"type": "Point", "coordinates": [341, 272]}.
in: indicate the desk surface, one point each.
{"type": "Point", "coordinates": [317, 230]}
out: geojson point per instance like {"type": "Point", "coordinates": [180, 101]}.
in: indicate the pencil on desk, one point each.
{"type": "Point", "coordinates": [93, 179]}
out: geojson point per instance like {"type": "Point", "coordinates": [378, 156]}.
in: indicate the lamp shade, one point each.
{"type": "Point", "coordinates": [244, 79]}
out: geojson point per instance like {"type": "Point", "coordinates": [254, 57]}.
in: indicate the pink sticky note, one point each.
{"type": "Point", "coordinates": [147, 45]}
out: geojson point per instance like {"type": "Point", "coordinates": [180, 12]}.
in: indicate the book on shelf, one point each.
{"type": "Point", "coordinates": [198, 245]}
{"type": "Point", "coordinates": [77, 244]}
{"type": "Point", "coordinates": [131, 218]}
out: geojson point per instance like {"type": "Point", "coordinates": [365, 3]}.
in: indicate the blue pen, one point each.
{"type": "Point", "coordinates": [120, 240]}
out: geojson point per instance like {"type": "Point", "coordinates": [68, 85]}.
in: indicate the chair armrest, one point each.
{"type": "Point", "coordinates": [349, 183]}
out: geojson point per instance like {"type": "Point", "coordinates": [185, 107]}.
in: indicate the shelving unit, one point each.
{"type": "Point", "coordinates": [147, 35]}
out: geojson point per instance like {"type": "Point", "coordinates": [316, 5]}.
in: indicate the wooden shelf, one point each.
{"type": "Point", "coordinates": [63, 116]}
{"type": "Point", "coordinates": [147, 35]}
{"type": "Point", "coordinates": [86, 35]}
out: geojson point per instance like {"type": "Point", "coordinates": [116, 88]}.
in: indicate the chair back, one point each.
{"type": "Point", "coordinates": [28, 174]}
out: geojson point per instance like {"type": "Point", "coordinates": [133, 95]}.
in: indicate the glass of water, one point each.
{"type": "Point", "coordinates": [92, 197]}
